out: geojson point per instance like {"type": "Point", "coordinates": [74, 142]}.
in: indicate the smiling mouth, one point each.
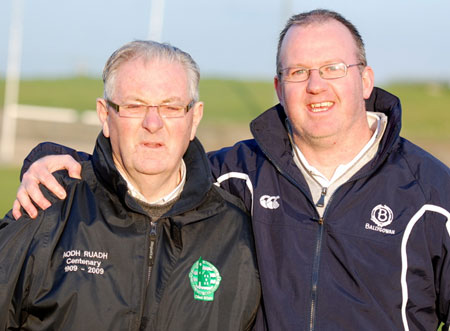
{"type": "Point", "coordinates": [321, 106]}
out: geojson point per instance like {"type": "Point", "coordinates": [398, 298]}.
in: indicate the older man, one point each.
{"type": "Point", "coordinates": [144, 241]}
{"type": "Point", "coordinates": [351, 221]}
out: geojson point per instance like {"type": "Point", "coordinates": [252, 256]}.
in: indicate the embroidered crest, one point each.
{"type": "Point", "coordinates": [205, 280]}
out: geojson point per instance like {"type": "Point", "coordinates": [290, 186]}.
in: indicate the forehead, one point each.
{"type": "Point", "coordinates": [151, 80]}
{"type": "Point", "coordinates": [317, 43]}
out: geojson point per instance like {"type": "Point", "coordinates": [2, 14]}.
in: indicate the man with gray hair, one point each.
{"type": "Point", "coordinates": [144, 241]}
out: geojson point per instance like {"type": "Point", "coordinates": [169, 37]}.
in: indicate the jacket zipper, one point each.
{"type": "Point", "coordinates": [152, 235]}
{"type": "Point", "coordinates": [151, 250]}
{"type": "Point", "coordinates": [321, 201]}
{"type": "Point", "coordinates": [317, 255]}
{"type": "Point", "coordinates": [315, 275]}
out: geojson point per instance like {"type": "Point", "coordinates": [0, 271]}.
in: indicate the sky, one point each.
{"type": "Point", "coordinates": [406, 40]}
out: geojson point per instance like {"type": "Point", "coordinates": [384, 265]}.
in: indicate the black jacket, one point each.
{"type": "Point", "coordinates": [84, 263]}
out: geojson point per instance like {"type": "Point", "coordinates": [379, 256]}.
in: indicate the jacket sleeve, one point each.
{"type": "Point", "coordinates": [15, 240]}
{"type": "Point", "coordinates": [230, 169]}
{"type": "Point", "coordinates": [443, 280]}
{"type": "Point", "coordinates": [49, 148]}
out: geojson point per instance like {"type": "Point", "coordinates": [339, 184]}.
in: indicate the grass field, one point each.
{"type": "Point", "coordinates": [426, 109]}
{"type": "Point", "coordinates": [9, 177]}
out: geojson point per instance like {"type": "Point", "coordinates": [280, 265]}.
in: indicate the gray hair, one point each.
{"type": "Point", "coordinates": [321, 16]}
{"type": "Point", "coordinates": [150, 50]}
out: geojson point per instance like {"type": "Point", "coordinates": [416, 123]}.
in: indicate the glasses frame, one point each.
{"type": "Point", "coordinates": [346, 66]}
{"type": "Point", "coordinates": [116, 107]}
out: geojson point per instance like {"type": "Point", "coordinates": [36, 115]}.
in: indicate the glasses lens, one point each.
{"type": "Point", "coordinates": [296, 74]}
{"type": "Point", "coordinates": [170, 111]}
{"type": "Point", "coordinates": [133, 111]}
{"type": "Point", "coordinates": [331, 71]}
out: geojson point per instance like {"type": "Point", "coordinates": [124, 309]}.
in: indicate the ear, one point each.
{"type": "Point", "coordinates": [102, 113]}
{"type": "Point", "coordinates": [197, 111]}
{"type": "Point", "coordinates": [279, 89]}
{"type": "Point", "coordinates": [368, 81]}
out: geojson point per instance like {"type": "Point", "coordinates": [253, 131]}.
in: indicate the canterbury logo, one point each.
{"type": "Point", "coordinates": [269, 202]}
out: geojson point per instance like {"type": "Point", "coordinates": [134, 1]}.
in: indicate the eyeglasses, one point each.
{"type": "Point", "coordinates": [139, 111]}
{"type": "Point", "coordinates": [327, 71]}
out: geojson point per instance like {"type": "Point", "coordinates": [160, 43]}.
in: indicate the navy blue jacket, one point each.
{"type": "Point", "coordinates": [379, 259]}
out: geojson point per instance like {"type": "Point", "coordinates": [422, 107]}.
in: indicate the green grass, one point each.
{"type": "Point", "coordinates": [228, 101]}
{"type": "Point", "coordinates": [9, 179]}
{"type": "Point", "coordinates": [426, 108]}
{"type": "Point", "coordinates": [77, 93]}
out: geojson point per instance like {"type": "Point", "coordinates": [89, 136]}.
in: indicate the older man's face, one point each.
{"type": "Point", "coordinates": [321, 109]}
{"type": "Point", "coordinates": [151, 145]}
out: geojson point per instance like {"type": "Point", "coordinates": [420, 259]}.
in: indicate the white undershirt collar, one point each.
{"type": "Point", "coordinates": [134, 192]}
{"type": "Point", "coordinates": [374, 122]}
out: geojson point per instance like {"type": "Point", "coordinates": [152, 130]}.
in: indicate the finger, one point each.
{"type": "Point", "coordinates": [50, 182]}
{"type": "Point", "coordinates": [73, 167]}
{"type": "Point", "coordinates": [52, 163]}
{"type": "Point", "coordinates": [16, 210]}
{"type": "Point", "coordinates": [24, 200]}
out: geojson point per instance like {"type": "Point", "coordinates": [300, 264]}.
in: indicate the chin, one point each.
{"type": "Point", "coordinates": [150, 167]}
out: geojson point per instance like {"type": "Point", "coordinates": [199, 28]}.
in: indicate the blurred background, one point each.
{"type": "Point", "coordinates": [52, 54]}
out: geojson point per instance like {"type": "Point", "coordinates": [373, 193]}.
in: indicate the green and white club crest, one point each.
{"type": "Point", "coordinates": [205, 280]}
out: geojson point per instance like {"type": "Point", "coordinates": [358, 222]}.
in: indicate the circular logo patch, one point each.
{"type": "Point", "coordinates": [382, 215]}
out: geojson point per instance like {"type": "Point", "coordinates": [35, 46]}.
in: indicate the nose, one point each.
{"type": "Point", "coordinates": [152, 120]}
{"type": "Point", "coordinates": [316, 84]}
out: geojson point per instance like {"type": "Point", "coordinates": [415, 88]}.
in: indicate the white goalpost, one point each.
{"type": "Point", "coordinates": [8, 133]}
{"type": "Point", "coordinates": [156, 22]}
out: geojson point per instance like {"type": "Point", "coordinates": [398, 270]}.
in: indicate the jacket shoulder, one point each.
{"type": "Point", "coordinates": [243, 157]}
{"type": "Point", "coordinates": [432, 175]}
{"type": "Point", "coordinates": [231, 200]}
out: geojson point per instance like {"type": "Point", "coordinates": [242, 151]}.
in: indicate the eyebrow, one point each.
{"type": "Point", "coordinates": [298, 65]}
{"type": "Point", "coordinates": [171, 99]}
{"type": "Point", "coordinates": [164, 101]}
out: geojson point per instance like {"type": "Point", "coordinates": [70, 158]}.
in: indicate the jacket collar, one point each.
{"type": "Point", "coordinates": [196, 189]}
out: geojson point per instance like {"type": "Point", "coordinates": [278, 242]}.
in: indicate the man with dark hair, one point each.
{"type": "Point", "coordinates": [351, 221]}
{"type": "Point", "coordinates": [144, 241]}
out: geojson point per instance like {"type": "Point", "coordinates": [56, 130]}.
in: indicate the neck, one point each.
{"type": "Point", "coordinates": [153, 187]}
{"type": "Point", "coordinates": [326, 154]}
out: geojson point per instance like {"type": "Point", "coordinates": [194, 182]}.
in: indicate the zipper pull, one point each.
{"type": "Point", "coordinates": [153, 229]}
{"type": "Point", "coordinates": [151, 254]}
{"type": "Point", "coordinates": [321, 201]}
